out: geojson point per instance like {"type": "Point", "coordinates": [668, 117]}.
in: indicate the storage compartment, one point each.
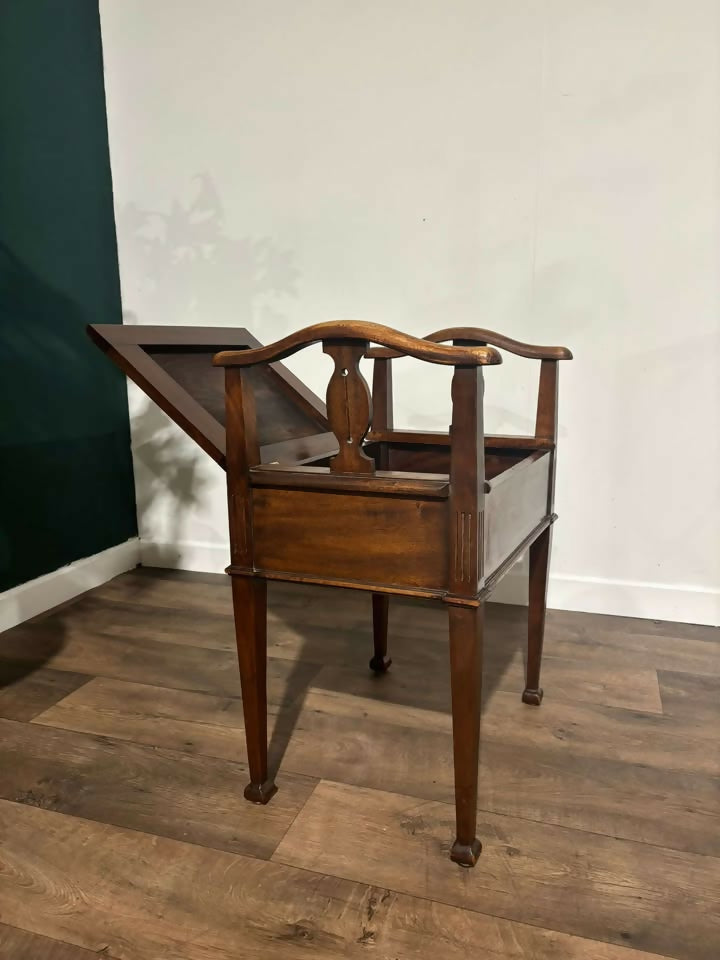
{"type": "Point", "coordinates": [435, 458]}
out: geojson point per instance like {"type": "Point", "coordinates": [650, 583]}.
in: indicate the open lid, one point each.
{"type": "Point", "coordinates": [172, 365]}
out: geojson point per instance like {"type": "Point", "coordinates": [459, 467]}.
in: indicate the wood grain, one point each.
{"type": "Point", "coordinates": [362, 331]}
{"type": "Point", "coordinates": [351, 535]}
{"type": "Point", "coordinates": [599, 887]}
{"type": "Point", "coordinates": [173, 366]}
{"type": "Point", "coordinates": [396, 749]}
{"type": "Point", "coordinates": [134, 658]}
{"type": "Point", "coordinates": [517, 502]}
{"type": "Point", "coordinates": [161, 590]}
{"type": "Point", "coordinates": [204, 723]}
{"type": "Point", "coordinates": [20, 945]}
{"type": "Point", "coordinates": [598, 810]}
{"type": "Point", "coordinates": [679, 654]}
{"type": "Point", "coordinates": [478, 335]}
{"type": "Point", "coordinates": [693, 700]}
{"type": "Point", "coordinates": [158, 791]}
{"type": "Point", "coordinates": [26, 690]}
{"type": "Point", "coordinates": [211, 905]}
{"type": "Point", "coordinates": [567, 679]}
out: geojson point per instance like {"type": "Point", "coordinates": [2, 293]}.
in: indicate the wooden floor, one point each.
{"type": "Point", "coordinates": [124, 833]}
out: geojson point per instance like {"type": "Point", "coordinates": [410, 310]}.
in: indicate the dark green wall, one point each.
{"type": "Point", "coordinates": [66, 486]}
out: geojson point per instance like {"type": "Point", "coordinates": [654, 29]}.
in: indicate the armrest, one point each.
{"type": "Point", "coordinates": [475, 335]}
{"type": "Point", "coordinates": [399, 344]}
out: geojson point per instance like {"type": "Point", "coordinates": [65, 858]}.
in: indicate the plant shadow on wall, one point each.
{"type": "Point", "coordinates": [169, 478]}
{"type": "Point", "coordinates": [184, 267]}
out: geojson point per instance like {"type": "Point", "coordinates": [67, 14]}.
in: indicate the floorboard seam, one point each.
{"type": "Point", "coordinates": [482, 913]}
{"type": "Point", "coordinates": [66, 943]}
{"type": "Point", "coordinates": [307, 776]}
{"type": "Point", "coordinates": [292, 822]}
{"type": "Point", "coordinates": [317, 873]}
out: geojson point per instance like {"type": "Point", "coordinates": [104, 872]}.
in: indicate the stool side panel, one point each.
{"type": "Point", "coordinates": [392, 540]}
{"type": "Point", "coordinates": [514, 508]}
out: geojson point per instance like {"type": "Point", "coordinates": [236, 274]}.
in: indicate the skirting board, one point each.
{"type": "Point", "coordinates": [624, 598]}
{"type": "Point", "coordinates": [30, 599]}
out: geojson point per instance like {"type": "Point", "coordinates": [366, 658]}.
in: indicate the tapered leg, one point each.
{"type": "Point", "coordinates": [466, 640]}
{"type": "Point", "coordinates": [539, 566]}
{"type": "Point", "coordinates": [380, 660]}
{"type": "Point", "coordinates": [250, 609]}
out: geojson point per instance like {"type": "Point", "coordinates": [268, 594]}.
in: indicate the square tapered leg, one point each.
{"type": "Point", "coordinates": [466, 640]}
{"type": "Point", "coordinates": [250, 609]}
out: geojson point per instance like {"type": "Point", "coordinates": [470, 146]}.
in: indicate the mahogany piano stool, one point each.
{"type": "Point", "coordinates": [334, 495]}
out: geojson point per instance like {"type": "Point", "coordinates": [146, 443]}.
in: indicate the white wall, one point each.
{"type": "Point", "coordinates": [550, 170]}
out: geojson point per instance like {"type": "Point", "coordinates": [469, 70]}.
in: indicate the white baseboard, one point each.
{"type": "Point", "coordinates": [625, 598]}
{"type": "Point", "coordinates": [30, 599]}
{"type": "Point", "coordinates": [621, 598]}
{"type": "Point", "coordinates": [185, 555]}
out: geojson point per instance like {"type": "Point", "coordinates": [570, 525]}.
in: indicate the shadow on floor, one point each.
{"type": "Point", "coordinates": [28, 648]}
{"type": "Point", "coordinates": [417, 644]}
{"type": "Point", "coordinates": [322, 639]}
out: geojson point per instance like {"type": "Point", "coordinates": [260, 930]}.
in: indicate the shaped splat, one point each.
{"type": "Point", "coordinates": [349, 407]}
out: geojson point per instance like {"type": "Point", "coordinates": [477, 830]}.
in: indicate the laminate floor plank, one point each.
{"type": "Point", "coordinates": [563, 680]}
{"type": "Point", "coordinates": [677, 809]}
{"type": "Point", "coordinates": [123, 832]}
{"type": "Point", "coordinates": [570, 726]}
{"type": "Point", "coordinates": [691, 699]}
{"type": "Point", "coordinates": [118, 618]}
{"type": "Point", "coordinates": [18, 944]}
{"type": "Point", "coordinates": [161, 792]}
{"type": "Point", "coordinates": [628, 626]}
{"type": "Point", "coordinates": [133, 897]}
{"type": "Point", "coordinates": [141, 587]}
{"type": "Point", "coordinates": [677, 653]}
{"type": "Point", "coordinates": [583, 728]}
{"type": "Point", "coordinates": [583, 884]}
{"type": "Point", "coordinates": [26, 690]}
{"type": "Point", "coordinates": [204, 667]}
{"type": "Point", "coordinates": [300, 595]}
{"type": "Point", "coordinates": [304, 628]}
{"type": "Point", "coordinates": [142, 660]}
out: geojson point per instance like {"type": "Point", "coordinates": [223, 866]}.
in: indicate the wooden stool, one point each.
{"type": "Point", "coordinates": [432, 515]}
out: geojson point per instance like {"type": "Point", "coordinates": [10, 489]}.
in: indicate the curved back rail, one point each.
{"type": "Point", "coordinates": [476, 336]}
{"type": "Point", "coordinates": [546, 416]}
{"type": "Point", "coordinates": [400, 344]}
{"type": "Point", "coordinates": [349, 402]}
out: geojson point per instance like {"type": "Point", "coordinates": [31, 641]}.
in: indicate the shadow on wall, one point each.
{"type": "Point", "coordinates": [183, 267]}
{"type": "Point", "coordinates": [169, 478]}
{"type": "Point", "coordinates": [187, 269]}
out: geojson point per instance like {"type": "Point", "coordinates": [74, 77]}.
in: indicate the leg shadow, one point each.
{"type": "Point", "coordinates": [331, 634]}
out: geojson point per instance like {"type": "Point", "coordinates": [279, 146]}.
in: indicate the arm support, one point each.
{"type": "Point", "coordinates": [399, 343]}
{"type": "Point", "coordinates": [475, 335]}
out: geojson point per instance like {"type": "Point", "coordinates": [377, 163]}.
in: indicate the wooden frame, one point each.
{"type": "Point", "coordinates": [132, 348]}
{"type": "Point", "coordinates": [433, 515]}
{"type": "Point", "coordinates": [362, 505]}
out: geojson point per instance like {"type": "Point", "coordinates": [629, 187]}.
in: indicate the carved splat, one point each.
{"type": "Point", "coordinates": [349, 406]}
